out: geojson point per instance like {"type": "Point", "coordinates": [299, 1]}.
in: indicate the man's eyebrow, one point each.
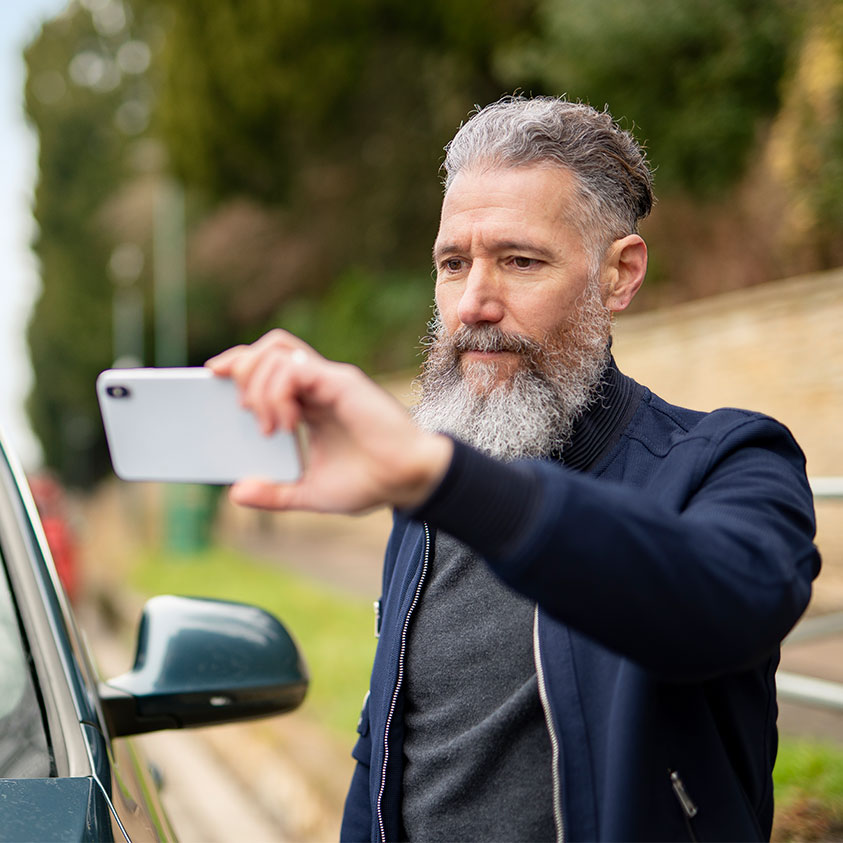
{"type": "Point", "coordinates": [511, 246]}
{"type": "Point", "coordinates": [521, 247]}
{"type": "Point", "coordinates": [444, 249]}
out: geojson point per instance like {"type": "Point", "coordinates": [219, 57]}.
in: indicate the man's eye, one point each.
{"type": "Point", "coordinates": [453, 264]}
{"type": "Point", "coordinates": [523, 263]}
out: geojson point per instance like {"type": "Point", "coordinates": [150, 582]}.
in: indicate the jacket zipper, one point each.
{"type": "Point", "coordinates": [554, 738]}
{"type": "Point", "coordinates": [399, 681]}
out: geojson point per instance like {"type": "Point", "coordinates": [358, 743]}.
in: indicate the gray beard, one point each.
{"type": "Point", "coordinates": [533, 412]}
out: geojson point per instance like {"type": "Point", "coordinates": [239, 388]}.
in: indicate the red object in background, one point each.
{"type": "Point", "coordinates": [49, 498]}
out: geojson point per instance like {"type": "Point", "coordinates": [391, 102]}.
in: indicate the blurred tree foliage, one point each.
{"type": "Point", "coordinates": [366, 307]}
{"type": "Point", "coordinates": [806, 145]}
{"type": "Point", "coordinates": [697, 79]}
{"type": "Point", "coordinates": [253, 90]}
{"type": "Point", "coordinates": [308, 136]}
{"type": "Point", "coordinates": [74, 94]}
{"type": "Point", "coordinates": [315, 132]}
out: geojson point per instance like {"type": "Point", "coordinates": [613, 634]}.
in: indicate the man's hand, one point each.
{"type": "Point", "coordinates": [364, 450]}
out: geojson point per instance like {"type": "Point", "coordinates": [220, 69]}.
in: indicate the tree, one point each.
{"type": "Point", "coordinates": [806, 146]}
{"type": "Point", "coordinates": [82, 96]}
{"type": "Point", "coordinates": [698, 79]}
{"type": "Point", "coordinates": [314, 133]}
{"type": "Point", "coordinates": [300, 132]}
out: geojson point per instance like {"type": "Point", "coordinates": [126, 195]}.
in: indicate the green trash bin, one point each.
{"type": "Point", "coordinates": [188, 516]}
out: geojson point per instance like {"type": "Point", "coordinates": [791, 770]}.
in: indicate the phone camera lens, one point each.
{"type": "Point", "coordinates": [117, 391]}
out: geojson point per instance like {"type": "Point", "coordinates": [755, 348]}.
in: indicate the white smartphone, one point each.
{"type": "Point", "coordinates": [185, 425]}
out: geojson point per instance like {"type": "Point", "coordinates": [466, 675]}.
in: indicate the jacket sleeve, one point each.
{"type": "Point", "coordinates": [689, 582]}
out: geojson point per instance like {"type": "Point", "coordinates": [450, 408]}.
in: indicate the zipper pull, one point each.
{"type": "Point", "coordinates": [377, 607]}
{"type": "Point", "coordinates": [685, 801]}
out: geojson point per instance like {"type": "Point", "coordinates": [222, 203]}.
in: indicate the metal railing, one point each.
{"type": "Point", "coordinates": [827, 488]}
{"type": "Point", "coordinates": [808, 690]}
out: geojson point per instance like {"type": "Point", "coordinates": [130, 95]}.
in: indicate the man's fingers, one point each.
{"type": "Point", "coordinates": [260, 494]}
{"type": "Point", "coordinates": [275, 387]}
{"type": "Point", "coordinates": [256, 394]}
{"type": "Point", "coordinates": [269, 373]}
{"type": "Point", "coordinates": [282, 340]}
{"type": "Point", "coordinates": [221, 363]}
{"type": "Point", "coordinates": [282, 399]}
{"type": "Point", "coordinates": [277, 338]}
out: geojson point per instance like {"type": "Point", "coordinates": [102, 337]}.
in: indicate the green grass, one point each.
{"type": "Point", "coordinates": [333, 629]}
{"type": "Point", "coordinates": [808, 765]}
{"type": "Point", "coordinates": [808, 782]}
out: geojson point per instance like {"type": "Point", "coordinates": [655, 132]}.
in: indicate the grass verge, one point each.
{"type": "Point", "coordinates": [809, 791]}
{"type": "Point", "coordinates": [333, 629]}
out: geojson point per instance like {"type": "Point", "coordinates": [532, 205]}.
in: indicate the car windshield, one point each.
{"type": "Point", "coordinates": [24, 752]}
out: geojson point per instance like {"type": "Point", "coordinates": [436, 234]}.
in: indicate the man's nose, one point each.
{"type": "Point", "coordinates": [482, 299]}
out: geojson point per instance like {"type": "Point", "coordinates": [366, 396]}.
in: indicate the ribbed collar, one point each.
{"type": "Point", "coordinates": [602, 424]}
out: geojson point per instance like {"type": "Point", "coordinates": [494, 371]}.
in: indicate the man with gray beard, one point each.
{"type": "Point", "coordinates": [531, 414]}
{"type": "Point", "coordinates": [586, 587]}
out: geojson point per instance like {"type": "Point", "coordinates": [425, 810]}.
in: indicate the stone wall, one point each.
{"type": "Point", "coordinates": [777, 348]}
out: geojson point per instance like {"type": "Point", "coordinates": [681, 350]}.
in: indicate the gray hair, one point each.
{"type": "Point", "coordinates": [613, 177]}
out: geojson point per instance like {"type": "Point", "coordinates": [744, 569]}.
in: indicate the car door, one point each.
{"type": "Point", "coordinates": [64, 777]}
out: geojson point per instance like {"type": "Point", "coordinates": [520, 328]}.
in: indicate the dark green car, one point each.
{"type": "Point", "coordinates": [63, 776]}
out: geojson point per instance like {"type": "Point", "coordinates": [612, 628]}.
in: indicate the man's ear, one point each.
{"type": "Point", "coordinates": [624, 268]}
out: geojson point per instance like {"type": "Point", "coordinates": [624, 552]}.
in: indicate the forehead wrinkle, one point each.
{"type": "Point", "coordinates": [495, 245]}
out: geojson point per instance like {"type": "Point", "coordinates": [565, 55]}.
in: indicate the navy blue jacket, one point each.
{"type": "Point", "coordinates": [665, 579]}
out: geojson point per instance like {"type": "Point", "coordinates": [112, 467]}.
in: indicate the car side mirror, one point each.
{"type": "Point", "coordinates": [202, 661]}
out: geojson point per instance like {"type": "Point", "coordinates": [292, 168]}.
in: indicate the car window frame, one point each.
{"type": "Point", "coordinates": [44, 630]}
{"type": "Point", "coordinates": [27, 715]}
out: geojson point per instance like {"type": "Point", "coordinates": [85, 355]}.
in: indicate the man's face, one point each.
{"type": "Point", "coordinates": [521, 336]}
{"type": "Point", "coordinates": [507, 256]}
